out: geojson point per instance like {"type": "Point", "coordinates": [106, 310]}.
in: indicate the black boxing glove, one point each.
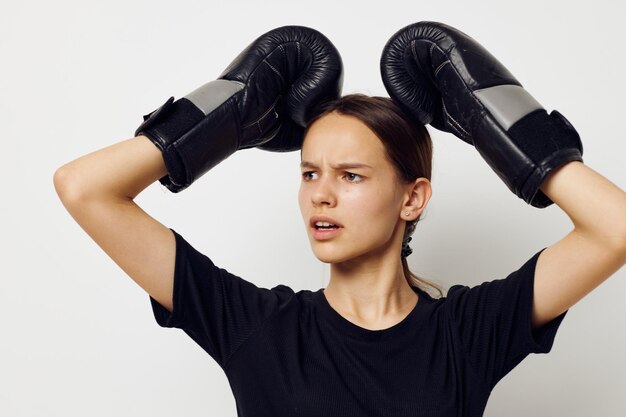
{"type": "Point", "coordinates": [263, 99]}
{"type": "Point", "coordinates": [442, 77]}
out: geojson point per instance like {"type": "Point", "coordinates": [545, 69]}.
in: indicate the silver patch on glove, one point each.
{"type": "Point", "coordinates": [507, 103]}
{"type": "Point", "coordinates": [212, 94]}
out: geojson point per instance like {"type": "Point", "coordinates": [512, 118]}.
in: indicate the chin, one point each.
{"type": "Point", "coordinates": [333, 255]}
{"type": "Point", "coordinates": [329, 259]}
{"type": "Point", "coordinates": [326, 257]}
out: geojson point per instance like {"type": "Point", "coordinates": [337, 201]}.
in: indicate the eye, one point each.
{"type": "Point", "coordinates": [354, 177]}
{"type": "Point", "coordinates": [306, 175]}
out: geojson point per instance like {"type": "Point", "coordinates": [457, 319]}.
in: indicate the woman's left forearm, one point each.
{"type": "Point", "coordinates": [596, 206]}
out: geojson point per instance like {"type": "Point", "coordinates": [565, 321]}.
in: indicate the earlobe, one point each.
{"type": "Point", "coordinates": [419, 196]}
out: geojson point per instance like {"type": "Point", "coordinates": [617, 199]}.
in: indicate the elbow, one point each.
{"type": "Point", "coordinates": [62, 181]}
{"type": "Point", "coordinates": [59, 179]}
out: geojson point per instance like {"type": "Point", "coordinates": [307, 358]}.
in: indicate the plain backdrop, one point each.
{"type": "Point", "coordinates": [78, 336]}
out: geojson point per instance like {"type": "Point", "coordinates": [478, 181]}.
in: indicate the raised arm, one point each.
{"type": "Point", "coordinates": [98, 191]}
{"type": "Point", "coordinates": [454, 83]}
{"type": "Point", "coordinates": [263, 99]}
{"type": "Point", "coordinates": [594, 250]}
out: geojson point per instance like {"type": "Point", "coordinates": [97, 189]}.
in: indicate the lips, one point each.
{"type": "Point", "coordinates": [330, 220]}
{"type": "Point", "coordinates": [325, 233]}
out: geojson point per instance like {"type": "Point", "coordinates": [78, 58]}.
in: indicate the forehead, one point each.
{"type": "Point", "coordinates": [341, 137]}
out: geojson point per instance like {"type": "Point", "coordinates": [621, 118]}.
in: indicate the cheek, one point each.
{"type": "Point", "coordinates": [373, 203]}
{"type": "Point", "coordinates": [376, 207]}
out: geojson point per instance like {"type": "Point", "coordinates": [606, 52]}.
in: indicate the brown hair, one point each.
{"type": "Point", "coordinates": [407, 144]}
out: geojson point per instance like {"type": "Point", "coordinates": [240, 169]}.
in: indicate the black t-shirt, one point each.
{"type": "Point", "coordinates": [289, 353]}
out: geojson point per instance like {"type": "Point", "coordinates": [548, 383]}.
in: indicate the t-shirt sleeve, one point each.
{"type": "Point", "coordinates": [493, 322]}
{"type": "Point", "coordinates": [217, 309]}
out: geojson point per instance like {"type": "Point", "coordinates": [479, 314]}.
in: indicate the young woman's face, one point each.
{"type": "Point", "coordinates": [347, 179]}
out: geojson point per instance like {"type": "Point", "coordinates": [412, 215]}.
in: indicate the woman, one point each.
{"type": "Point", "coordinates": [366, 173]}
{"type": "Point", "coordinates": [374, 341]}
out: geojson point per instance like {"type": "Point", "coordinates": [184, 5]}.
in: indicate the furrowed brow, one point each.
{"type": "Point", "coordinates": [343, 165]}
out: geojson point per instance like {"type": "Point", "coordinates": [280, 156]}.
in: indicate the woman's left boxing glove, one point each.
{"type": "Point", "coordinates": [443, 77]}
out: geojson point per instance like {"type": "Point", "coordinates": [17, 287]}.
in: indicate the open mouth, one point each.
{"type": "Point", "coordinates": [325, 226]}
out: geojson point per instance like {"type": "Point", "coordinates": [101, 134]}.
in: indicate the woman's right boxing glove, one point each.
{"type": "Point", "coordinates": [263, 99]}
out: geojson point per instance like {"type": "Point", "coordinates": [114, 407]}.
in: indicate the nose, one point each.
{"type": "Point", "coordinates": [323, 192]}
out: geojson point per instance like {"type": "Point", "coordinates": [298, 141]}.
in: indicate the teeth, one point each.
{"type": "Point", "coordinates": [323, 224]}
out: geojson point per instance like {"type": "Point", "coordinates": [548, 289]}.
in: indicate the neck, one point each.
{"type": "Point", "coordinates": [370, 290]}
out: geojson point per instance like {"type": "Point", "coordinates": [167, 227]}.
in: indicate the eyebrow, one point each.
{"type": "Point", "coordinates": [343, 165]}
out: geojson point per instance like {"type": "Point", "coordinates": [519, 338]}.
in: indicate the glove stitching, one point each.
{"type": "Point", "coordinates": [453, 123]}
{"type": "Point", "coordinates": [269, 53]}
{"type": "Point", "coordinates": [274, 69]}
{"type": "Point", "coordinates": [441, 66]}
{"type": "Point", "coordinates": [456, 125]}
{"type": "Point", "coordinates": [298, 53]}
{"type": "Point", "coordinates": [245, 90]}
{"type": "Point", "coordinates": [303, 73]}
{"type": "Point", "coordinates": [261, 117]}
{"type": "Point", "coordinates": [285, 60]}
{"type": "Point", "coordinates": [468, 136]}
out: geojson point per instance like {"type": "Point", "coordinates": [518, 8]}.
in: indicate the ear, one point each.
{"type": "Point", "coordinates": [416, 198]}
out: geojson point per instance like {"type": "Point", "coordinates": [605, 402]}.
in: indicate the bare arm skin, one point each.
{"type": "Point", "coordinates": [98, 190]}
{"type": "Point", "coordinates": [593, 251]}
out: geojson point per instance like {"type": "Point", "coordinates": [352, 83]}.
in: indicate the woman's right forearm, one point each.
{"type": "Point", "coordinates": [121, 170]}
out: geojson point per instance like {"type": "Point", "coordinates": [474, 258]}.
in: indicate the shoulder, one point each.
{"type": "Point", "coordinates": [286, 294]}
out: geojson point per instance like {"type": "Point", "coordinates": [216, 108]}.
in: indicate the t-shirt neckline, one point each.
{"type": "Point", "coordinates": [359, 332]}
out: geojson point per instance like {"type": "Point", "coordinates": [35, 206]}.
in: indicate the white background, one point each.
{"type": "Point", "coordinates": [78, 337]}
